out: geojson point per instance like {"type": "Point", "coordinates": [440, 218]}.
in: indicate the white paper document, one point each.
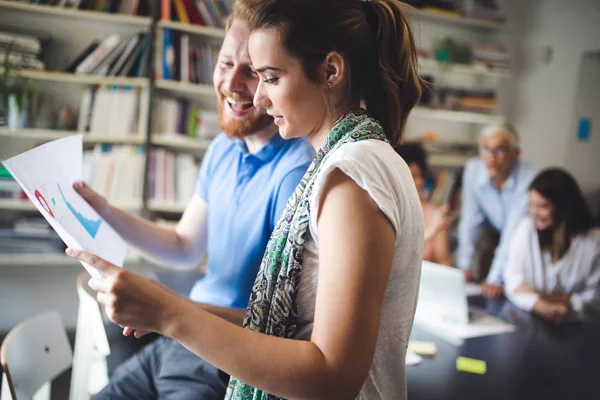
{"type": "Point", "coordinates": [46, 174]}
{"type": "Point", "coordinates": [412, 358]}
{"type": "Point", "coordinates": [473, 289]}
{"type": "Point", "coordinates": [480, 324]}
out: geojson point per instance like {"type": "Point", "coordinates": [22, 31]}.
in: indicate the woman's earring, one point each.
{"type": "Point", "coordinates": [329, 85]}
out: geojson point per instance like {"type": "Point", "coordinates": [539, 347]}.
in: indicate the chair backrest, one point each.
{"type": "Point", "coordinates": [35, 352]}
{"type": "Point", "coordinates": [91, 345]}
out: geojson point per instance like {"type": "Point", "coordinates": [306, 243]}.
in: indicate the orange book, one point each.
{"type": "Point", "coordinates": [165, 10]}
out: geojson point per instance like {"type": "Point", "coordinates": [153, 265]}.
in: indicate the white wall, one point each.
{"type": "Point", "coordinates": [545, 93]}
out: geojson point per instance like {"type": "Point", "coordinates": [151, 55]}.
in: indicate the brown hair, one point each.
{"type": "Point", "coordinates": [373, 36]}
{"type": "Point", "coordinates": [571, 212]}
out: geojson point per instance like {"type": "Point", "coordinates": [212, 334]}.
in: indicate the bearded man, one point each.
{"type": "Point", "coordinates": [247, 176]}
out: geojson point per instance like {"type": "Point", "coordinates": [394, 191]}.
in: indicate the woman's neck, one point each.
{"type": "Point", "coordinates": [317, 138]}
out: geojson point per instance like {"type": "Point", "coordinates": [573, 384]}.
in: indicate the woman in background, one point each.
{"type": "Point", "coordinates": [437, 223]}
{"type": "Point", "coordinates": [554, 259]}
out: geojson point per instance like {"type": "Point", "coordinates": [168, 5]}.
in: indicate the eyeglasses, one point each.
{"type": "Point", "coordinates": [500, 151]}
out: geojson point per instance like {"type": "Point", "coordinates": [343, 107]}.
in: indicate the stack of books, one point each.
{"type": "Point", "coordinates": [20, 50]}
{"type": "Point", "coordinates": [129, 7]}
{"type": "Point", "coordinates": [494, 56]}
{"type": "Point", "coordinates": [462, 99]}
{"type": "Point", "coordinates": [30, 236]}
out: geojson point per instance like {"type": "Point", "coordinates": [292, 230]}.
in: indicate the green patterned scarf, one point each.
{"type": "Point", "coordinates": [273, 307]}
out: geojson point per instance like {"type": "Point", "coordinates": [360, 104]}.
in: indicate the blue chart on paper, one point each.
{"type": "Point", "coordinates": [89, 225]}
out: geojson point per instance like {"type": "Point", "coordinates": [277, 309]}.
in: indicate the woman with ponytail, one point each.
{"type": "Point", "coordinates": [554, 261]}
{"type": "Point", "coordinates": [332, 307]}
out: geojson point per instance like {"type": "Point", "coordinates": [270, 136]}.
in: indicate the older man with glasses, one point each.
{"type": "Point", "coordinates": [494, 200]}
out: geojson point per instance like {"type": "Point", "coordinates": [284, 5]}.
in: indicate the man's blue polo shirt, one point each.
{"type": "Point", "coordinates": [246, 193]}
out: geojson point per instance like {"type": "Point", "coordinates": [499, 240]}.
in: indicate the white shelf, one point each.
{"type": "Point", "coordinates": [186, 88]}
{"type": "Point", "coordinates": [459, 21]}
{"type": "Point", "coordinates": [26, 205]}
{"type": "Point", "coordinates": [19, 205]}
{"type": "Point", "coordinates": [73, 13]}
{"type": "Point", "coordinates": [158, 206]}
{"type": "Point", "coordinates": [53, 259]}
{"type": "Point", "coordinates": [180, 142]}
{"type": "Point", "coordinates": [456, 116]}
{"type": "Point", "coordinates": [51, 134]}
{"type": "Point", "coordinates": [430, 64]}
{"type": "Point", "coordinates": [80, 79]}
{"type": "Point", "coordinates": [207, 31]}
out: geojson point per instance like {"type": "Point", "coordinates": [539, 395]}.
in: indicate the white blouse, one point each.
{"type": "Point", "coordinates": [577, 272]}
{"type": "Point", "coordinates": [381, 172]}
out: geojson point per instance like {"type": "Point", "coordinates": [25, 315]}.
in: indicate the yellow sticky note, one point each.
{"type": "Point", "coordinates": [471, 365]}
{"type": "Point", "coordinates": [428, 349]}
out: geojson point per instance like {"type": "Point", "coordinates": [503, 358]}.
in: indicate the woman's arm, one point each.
{"type": "Point", "coordinates": [588, 300]}
{"type": "Point", "coordinates": [355, 261]}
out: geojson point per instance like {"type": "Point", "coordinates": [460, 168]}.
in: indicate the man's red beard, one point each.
{"type": "Point", "coordinates": [240, 127]}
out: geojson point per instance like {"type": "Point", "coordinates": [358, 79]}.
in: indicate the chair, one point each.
{"type": "Point", "coordinates": [91, 345]}
{"type": "Point", "coordinates": [33, 354]}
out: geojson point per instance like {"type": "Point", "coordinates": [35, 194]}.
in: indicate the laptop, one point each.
{"type": "Point", "coordinates": [443, 309]}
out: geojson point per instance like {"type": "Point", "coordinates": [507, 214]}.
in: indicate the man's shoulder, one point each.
{"type": "Point", "coordinates": [474, 169]}
{"type": "Point", "coordinates": [296, 153]}
{"type": "Point", "coordinates": [527, 171]}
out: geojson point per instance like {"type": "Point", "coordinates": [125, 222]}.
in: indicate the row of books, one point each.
{"type": "Point", "coordinates": [115, 111]}
{"type": "Point", "coordinates": [20, 50]}
{"type": "Point", "coordinates": [198, 12]}
{"type": "Point", "coordinates": [179, 117]}
{"type": "Point", "coordinates": [171, 177]}
{"type": "Point", "coordinates": [30, 236]}
{"type": "Point", "coordinates": [184, 61]}
{"type": "Point", "coordinates": [116, 172]}
{"type": "Point", "coordinates": [129, 7]}
{"type": "Point", "coordinates": [113, 57]}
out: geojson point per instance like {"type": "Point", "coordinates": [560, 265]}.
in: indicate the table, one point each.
{"type": "Point", "coordinates": [538, 361]}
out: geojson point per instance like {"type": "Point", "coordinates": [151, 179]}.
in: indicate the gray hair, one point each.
{"type": "Point", "coordinates": [509, 132]}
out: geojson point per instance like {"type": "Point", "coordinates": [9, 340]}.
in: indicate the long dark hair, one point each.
{"type": "Point", "coordinates": [572, 214]}
{"type": "Point", "coordinates": [373, 36]}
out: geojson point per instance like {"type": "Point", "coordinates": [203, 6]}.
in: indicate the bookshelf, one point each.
{"type": "Point", "coordinates": [430, 64]}
{"type": "Point", "coordinates": [163, 207]}
{"type": "Point", "coordinates": [180, 142]}
{"type": "Point", "coordinates": [54, 12]}
{"type": "Point", "coordinates": [207, 31]}
{"type": "Point", "coordinates": [51, 134]}
{"type": "Point", "coordinates": [56, 18]}
{"type": "Point", "coordinates": [469, 23]}
{"type": "Point", "coordinates": [182, 88]}
{"type": "Point", "coordinates": [81, 79]}
{"type": "Point", "coordinates": [457, 116]}
{"type": "Point", "coordinates": [26, 205]}
{"type": "Point", "coordinates": [59, 260]}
